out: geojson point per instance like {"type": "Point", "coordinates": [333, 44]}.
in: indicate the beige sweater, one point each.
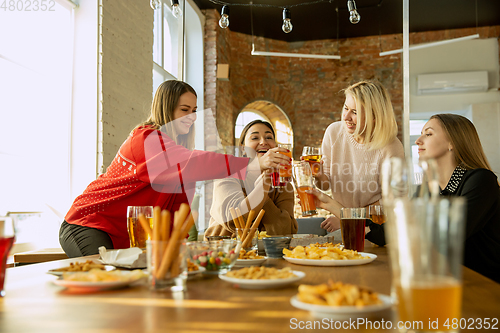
{"type": "Point", "coordinates": [354, 171]}
{"type": "Point", "coordinates": [278, 205]}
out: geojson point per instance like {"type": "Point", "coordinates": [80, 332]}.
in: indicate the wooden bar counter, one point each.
{"type": "Point", "coordinates": [34, 304]}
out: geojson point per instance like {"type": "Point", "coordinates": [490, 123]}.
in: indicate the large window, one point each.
{"type": "Point", "coordinates": [36, 52]}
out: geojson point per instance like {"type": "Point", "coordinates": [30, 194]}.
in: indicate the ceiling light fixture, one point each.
{"type": "Point", "coordinates": [224, 17]}
{"type": "Point", "coordinates": [287, 23]}
{"type": "Point", "coordinates": [292, 55]}
{"type": "Point", "coordinates": [176, 9]}
{"type": "Point", "coordinates": [423, 46]}
{"type": "Point", "coordinates": [354, 16]}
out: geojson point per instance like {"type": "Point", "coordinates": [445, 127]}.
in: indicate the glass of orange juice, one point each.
{"type": "Point", "coordinates": [286, 173]}
{"type": "Point", "coordinates": [426, 238]}
{"type": "Point", "coordinates": [303, 179]}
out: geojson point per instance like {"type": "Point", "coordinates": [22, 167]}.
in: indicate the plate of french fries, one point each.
{"type": "Point", "coordinates": [96, 279]}
{"type": "Point", "coordinates": [249, 258]}
{"type": "Point", "coordinates": [337, 299]}
{"type": "Point", "coordinates": [81, 267]}
{"type": "Point", "coordinates": [331, 256]}
{"type": "Point", "coordinates": [259, 277]}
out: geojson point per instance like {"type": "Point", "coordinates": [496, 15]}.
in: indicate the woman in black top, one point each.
{"type": "Point", "coordinates": [463, 170]}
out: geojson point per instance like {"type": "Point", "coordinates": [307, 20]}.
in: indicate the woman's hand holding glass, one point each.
{"type": "Point", "coordinates": [272, 159]}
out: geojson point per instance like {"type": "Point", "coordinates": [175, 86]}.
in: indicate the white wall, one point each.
{"type": "Point", "coordinates": [471, 55]}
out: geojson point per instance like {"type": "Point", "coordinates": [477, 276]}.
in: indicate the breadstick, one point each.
{"type": "Point", "coordinates": [236, 221]}
{"type": "Point", "coordinates": [240, 218]}
{"type": "Point", "coordinates": [145, 224]}
{"type": "Point", "coordinates": [251, 215]}
{"type": "Point", "coordinates": [173, 243]}
{"type": "Point", "coordinates": [255, 226]}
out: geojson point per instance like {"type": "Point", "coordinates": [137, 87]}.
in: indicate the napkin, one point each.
{"type": "Point", "coordinates": [127, 258]}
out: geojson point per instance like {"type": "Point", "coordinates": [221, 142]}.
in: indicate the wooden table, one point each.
{"type": "Point", "coordinates": [34, 304]}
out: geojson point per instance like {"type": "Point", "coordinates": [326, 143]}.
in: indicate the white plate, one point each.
{"type": "Point", "coordinates": [325, 311]}
{"type": "Point", "coordinates": [249, 262]}
{"type": "Point", "coordinates": [263, 284]}
{"type": "Point", "coordinates": [60, 273]}
{"type": "Point", "coordinates": [84, 286]}
{"type": "Point", "coordinates": [317, 262]}
{"type": "Point", "coordinates": [200, 270]}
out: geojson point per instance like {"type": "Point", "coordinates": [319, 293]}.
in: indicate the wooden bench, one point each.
{"type": "Point", "coordinates": [37, 256]}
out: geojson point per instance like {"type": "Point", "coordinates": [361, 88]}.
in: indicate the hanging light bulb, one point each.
{"type": "Point", "coordinates": [176, 9]}
{"type": "Point", "coordinates": [155, 4]}
{"type": "Point", "coordinates": [224, 17]}
{"type": "Point", "coordinates": [287, 23]}
{"type": "Point", "coordinates": [354, 16]}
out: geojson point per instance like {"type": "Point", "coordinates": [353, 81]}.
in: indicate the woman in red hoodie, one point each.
{"type": "Point", "coordinates": [155, 166]}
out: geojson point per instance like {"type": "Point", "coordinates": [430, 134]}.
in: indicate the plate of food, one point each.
{"type": "Point", "coordinates": [249, 258]}
{"type": "Point", "coordinates": [339, 300]}
{"type": "Point", "coordinates": [256, 277]}
{"type": "Point", "coordinates": [96, 280]}
{"type": "Point", "coordinates": [81, 267]}
{"type": "Point", "coordinates": [333, 256]}
{"type": "Point", "coordinates": [250, 262]}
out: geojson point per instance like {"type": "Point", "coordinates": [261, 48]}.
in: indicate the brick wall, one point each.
{"type": "Point", "coordinates": [126, 64]}
{"type": "Point", "coordinates": [309, 90]}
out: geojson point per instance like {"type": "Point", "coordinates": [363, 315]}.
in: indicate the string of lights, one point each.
{"type": "Point", "coordinates": [287, 26]}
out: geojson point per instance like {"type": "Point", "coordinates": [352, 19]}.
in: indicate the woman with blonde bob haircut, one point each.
{"type": "Point", "coordinates": [353, 151]}
{"type": "Point", "coordinates": [155, 166]}
{"type": "Point", "coordinates": [463, 170]}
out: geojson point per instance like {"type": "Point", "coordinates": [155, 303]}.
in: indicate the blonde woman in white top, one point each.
{"type": "Point", "coordinates": [354, 149]}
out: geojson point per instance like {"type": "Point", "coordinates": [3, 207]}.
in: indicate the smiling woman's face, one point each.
{"type": "Point", "coordinates": [260, 138]}
{"type": "Point", "coordinates": [185, 113]}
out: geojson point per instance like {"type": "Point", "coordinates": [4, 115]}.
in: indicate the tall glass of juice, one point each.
{"type": "Point", "coordinates": [303, 180]}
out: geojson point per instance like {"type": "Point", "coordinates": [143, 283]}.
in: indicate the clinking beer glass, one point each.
{"type": "Point", "coordinates": [304, 181]}
{"type": "Point", "coordinates": [312, 155]}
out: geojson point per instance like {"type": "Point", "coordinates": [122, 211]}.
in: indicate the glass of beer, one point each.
{"type": "Point", "coordinates": [286, 174]}
{"type": "Point", "coordinates": [426, 238]}
{"type": "Point", "coordinates": [7, 236]}
{"type": "Point", "coordinates": [303, 179]}
{"type": "Point", "coordinates": [137, 234]}
{"type": "Point", "coordinates": [352, 225]}
{"type": "Point", "coordinates": [313, 156]}
{"type": "Point", "coordinates": [376, 214]}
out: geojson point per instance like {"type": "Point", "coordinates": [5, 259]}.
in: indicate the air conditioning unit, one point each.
{"type": "Point", "coordinates": [444, 83]}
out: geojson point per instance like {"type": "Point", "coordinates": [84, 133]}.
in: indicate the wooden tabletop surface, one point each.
{"type": "Point", "coordinates": [34, 304]}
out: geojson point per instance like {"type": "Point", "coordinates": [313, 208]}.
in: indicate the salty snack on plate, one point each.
{"type": "Point", "coordinates": [96, 275]}
{"type": "Point", "coordinates": [192, 267]}
{"type": "Point", "coordinates": [80, 267]}
{"type": "Point", "coordinates": [331, 253]}
{"type": "Point", "coordinates": [337, 294]}
{"type": "Point", "coordinates": [323, 245]}
{"type": "Point", "coordinates": [261, 273]}
{"type": "Point", "coordinates": [249, 255]}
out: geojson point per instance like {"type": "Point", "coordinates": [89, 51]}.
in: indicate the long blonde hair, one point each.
{"type": "Point", "coordinates": [374, 105]}
{"type": "Point", "coordinates": [164, 103]}
{"type": "Point", "coordinates": [467, 147]}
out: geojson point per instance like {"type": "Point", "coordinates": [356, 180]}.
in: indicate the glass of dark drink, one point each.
{"type": "Point", "coordinates": [352, 225]}
{"type": "Point", "coordinates": [7, 236]}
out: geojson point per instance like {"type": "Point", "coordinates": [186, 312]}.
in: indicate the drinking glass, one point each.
{"type": "Point", "coordinates": [312, 155]}
{"type": "Point", "coordinates": [376, 213]}
{"type": "Point", "coordinates": [352, 225]}
{"type": "Point", "coordinates": [137, 234]}
{"type": "Point", "coordinates": [275, 179]}
{"type": "Point", "coordinates": [7, 235]}
{"type": "Point", "coordinates": [172, 279]}
{"type": "Point", "coordinates": [286, 173]}
{"type": "Point", "coordinates": [426, 238]}
{"type": "Point", "coordinates": [304, 181]}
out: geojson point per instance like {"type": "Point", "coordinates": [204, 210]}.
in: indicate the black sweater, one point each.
{"type": "Point", "coordinates": [482, 230]}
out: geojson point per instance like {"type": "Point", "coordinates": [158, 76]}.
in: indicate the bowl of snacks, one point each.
{"type": "Point", "coordinates": [274, 246]}
{"type": "Point", "coordinates": [214, 256]}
